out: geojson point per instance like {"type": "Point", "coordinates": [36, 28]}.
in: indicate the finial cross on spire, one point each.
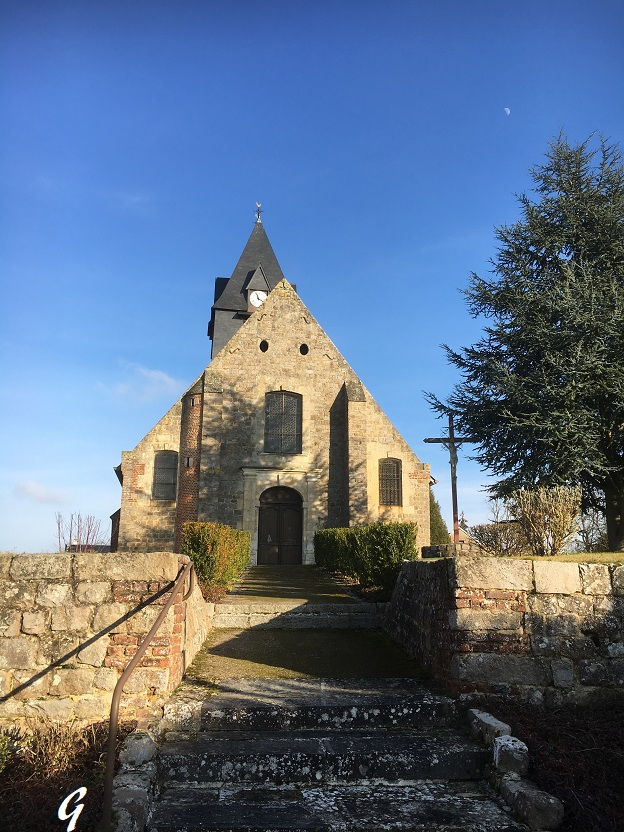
{"type": "Point", "coordinates": [259, 210]}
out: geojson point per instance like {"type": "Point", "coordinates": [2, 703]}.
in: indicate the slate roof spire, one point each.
{"type": "Point", "coordinates": [230, 308]}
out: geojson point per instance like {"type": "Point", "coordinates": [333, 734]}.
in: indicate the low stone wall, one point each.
{"type": "Point", "coordinates": [70, 623]}
{"type": "Point", "coordinates": [538, 630]}
{"type": "Point", "coordinates": [451, 550]}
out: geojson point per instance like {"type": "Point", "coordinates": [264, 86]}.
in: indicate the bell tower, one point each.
{"type": "Point", "coordinates": [237, 297]}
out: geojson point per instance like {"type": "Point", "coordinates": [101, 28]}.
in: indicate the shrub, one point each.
{"type": "Point", "coordinates": [219, 553]}
{"type": "Point", "coordinates": [548, 517]}
{"type": "Point", "coordinates": [384, 547]}
{"type": "Point", "coordinates": [502, 536]}
{"type": "Point", "coordinates": [372, 555]}
{"type": "Point", "coordinates": [5, 751]}
{"type": "Point", "coordinates": [330, 549]}
{"type": "Point", "coordinates": [49, 760]}
{"type": "Point", "coordinates": [50, 747]}
{"type": "Point", "coordinates": [501, 539]}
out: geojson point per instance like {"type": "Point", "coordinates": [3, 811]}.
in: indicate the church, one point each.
{"type": "Point", "coordinates": [277, 436]}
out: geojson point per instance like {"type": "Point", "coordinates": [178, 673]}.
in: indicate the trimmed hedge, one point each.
{"type": "Point", "coordinates": [330, 546]}
{"type": "Point", "coordinates": [372, 555]}
{"type": "Point", "coordinates": [219, 553]}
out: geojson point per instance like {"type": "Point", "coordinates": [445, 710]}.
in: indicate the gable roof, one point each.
{"type": "Point", "coordinates": [257, 252]}
{"type": "Point", "coordinates": [283, 303]}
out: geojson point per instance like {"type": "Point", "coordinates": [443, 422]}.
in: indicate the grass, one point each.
{"type": "Point", "coordinates": [566, 557]}
{"type": "Point", "coordinates": [587, 557]}
{"type": "Point", "coordinates": [47, 762]}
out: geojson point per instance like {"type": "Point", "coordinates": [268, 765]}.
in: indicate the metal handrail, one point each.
{"type": "Point", "coordinates": [107, 810]}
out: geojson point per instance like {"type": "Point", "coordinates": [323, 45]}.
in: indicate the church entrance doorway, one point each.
{"type": "Point", "coordinates": [280, 527]}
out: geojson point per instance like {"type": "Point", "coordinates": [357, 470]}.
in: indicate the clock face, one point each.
{"type": "Point", "coordinates": [257, 298]}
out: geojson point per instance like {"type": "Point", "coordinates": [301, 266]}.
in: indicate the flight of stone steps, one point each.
{"type": "Point", "coordinates": [288, 755]}
{"type": "Point", "coordinates": [308, 754]}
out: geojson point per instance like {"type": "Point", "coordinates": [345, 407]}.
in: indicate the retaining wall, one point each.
{"type": "Point", "coordinates": [70, 623]}
{"type": "Point", "coordinates": [537, 630]}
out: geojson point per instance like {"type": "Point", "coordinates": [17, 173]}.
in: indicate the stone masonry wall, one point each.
{"type": "Point", "coordinates": [344, 436]}
{"type": "Point", "coordinates": [417, 615]}
{"type": "Point", "coordinates": [70, 623]}
{"type": "Point", "coordinates": [145, 524]}
{"type": "Point", "coordinates": [538, 630]}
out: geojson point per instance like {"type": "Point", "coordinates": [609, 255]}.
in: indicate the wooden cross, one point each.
{"type": "Point", "coordinates": [452, 443]}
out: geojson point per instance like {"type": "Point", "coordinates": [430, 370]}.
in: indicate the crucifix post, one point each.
{"type": "Point", "coordinates": [452, 443]}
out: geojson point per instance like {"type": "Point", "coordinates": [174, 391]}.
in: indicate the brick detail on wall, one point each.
{"type": "Point", "coordinates": [189, 461]}
{"type": "Point", "coordinates": [70, 623]}
{"type": "Point", "coordinates": [131, 482]}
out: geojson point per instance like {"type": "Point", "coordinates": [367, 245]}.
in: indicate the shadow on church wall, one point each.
{"type": "Point", "coordinates": [233, 440]}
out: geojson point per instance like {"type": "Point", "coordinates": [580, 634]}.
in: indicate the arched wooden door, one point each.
{"type": "Point", "coordinates": [280, 527]}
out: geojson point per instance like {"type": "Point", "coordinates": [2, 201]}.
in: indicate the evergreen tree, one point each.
{"type": "Point", "coordinates": [543, 391]}
{"type": "Point", "coordinates": [439, 532]}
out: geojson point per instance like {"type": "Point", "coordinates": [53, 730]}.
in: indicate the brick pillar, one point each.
{"type": "Point", "coordinates": [189, 461]}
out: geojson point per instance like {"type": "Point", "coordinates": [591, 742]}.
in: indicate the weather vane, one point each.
{"type": "Point", "coordinates": [258, 211]}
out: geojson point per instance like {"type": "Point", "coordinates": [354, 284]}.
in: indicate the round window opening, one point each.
{"type": "Point", "coordinates": [264, 345]}
{"type": "Point", "coordinates": [304, 349]}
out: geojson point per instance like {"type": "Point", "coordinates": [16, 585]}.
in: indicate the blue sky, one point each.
{"type": "Point", "coordinates": [137, 137]}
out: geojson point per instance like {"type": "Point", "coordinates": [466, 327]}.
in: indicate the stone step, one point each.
{"type": "Point", "coordinates": [420, 807]}
{"type": "Point", "coordinates": [322, 758]}
{"type": "Point", "coordinates": [252, 704]}
{"type": "Point", "coordinates": [303, 704]}
{"type": "Point", "coordinates": [297, 615]}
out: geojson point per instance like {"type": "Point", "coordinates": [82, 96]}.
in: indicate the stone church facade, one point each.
{"type": "Point", "coordinates": [277, 436]}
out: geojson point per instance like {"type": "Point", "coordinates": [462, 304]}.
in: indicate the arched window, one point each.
{"type": "Point", "coordinates": [390, 490]}
{"type": "Point", "coordinates": [165, 475]}
{"type": "Point", "coordinates": [282, 423]}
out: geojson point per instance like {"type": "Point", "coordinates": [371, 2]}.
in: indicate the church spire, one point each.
{"type": "Point", "coordinates": [231, 302]}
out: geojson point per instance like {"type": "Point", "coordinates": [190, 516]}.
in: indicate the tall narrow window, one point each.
{"type": "Point", "coordinates": [282, 423]}
{"type": "Point", "coordinates": [165, 475]}
{"type": "Point", "coordinates": [390, 491]}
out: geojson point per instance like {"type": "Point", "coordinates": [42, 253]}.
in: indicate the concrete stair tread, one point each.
{"type": "Point", "coordinates": [347, 605]}
{"type": "Point", "coordinates": [323, 757]}
{"type": "Point", "coordinates": [322, 742]}
{"type": "Point", "coordinates": [351, 614]}
{"type": "Point", "coordinates": [305, 704]}
{"type": "Point", "coordinates": [424, 806]}
{"type": "Point", "coordinates": [283, 693]}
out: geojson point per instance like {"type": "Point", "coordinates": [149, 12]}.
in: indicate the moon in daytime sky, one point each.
{"type": "Point", "coordinates": [507, 111]}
